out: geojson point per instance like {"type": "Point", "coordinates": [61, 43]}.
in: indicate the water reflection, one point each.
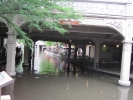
{"type": "Point", "coordinates": [49, 64]}
{"type": "Point", "coordinates": [48, 67]}
{"type": "Point", "coordinates": [77, 90]}
{"type": "Point", "coordinates": [123, 93]}
{"type": "Point", "coordinates": [72, 82]}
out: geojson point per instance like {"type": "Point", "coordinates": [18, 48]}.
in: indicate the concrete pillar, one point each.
{"type": "Point", "coordinates": [84, 52]}
{"type": "Point", "coordinates": [11, 43]}
{"type": "Point", "coordinates": [92, 51]}
{"type": "Point", "coordinates": [30, 58]}
{"type": "Point", "coordinates": [97, 49]}
{"type": "Point", "coordinates": [33, 57]}
{"type": "Point", "coordinates": [75, 52]}
{"type": "Point", "coordinates": [36, 57]}
{"type": "Point", "coordinates": [26, 56]}
{"type": "Point", "coordinates": [125, 64]}
{"type": "Point", "coordinates": [87, 50]}
{"type": "Point", "coordinates": [4, 41]}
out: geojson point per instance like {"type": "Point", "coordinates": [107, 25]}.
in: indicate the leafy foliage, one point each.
{"type": "Point", "coordinates": [39, 14]}
{"type": "Point", "coordinates": [49, 43]}
{"type": "Point", "coordinates": [46, 67]}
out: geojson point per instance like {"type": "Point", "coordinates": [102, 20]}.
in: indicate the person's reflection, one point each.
{"type": "Point", "coordinates": [123, 92]}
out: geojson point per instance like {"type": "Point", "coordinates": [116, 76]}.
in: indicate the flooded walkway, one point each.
{"type": "Point", "coordinates": [53, 79]}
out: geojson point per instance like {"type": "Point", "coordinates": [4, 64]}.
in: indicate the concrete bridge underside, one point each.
{"type": "Point", "coordinates": [76, 33]}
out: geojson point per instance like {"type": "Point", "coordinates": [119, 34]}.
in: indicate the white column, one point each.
{"type": "Point", "coordinates": [11, 43]}
{"type": "Point", "coordinates": [4, 41]}
{"type": "Point", "coordinates": [125, 64]}
{"type": "Point", "coordinates": [92, 51]}
{"type": "Point", "coordinates": [96, 60]}
{"type": "Point", "coordinates": [36, 58]}
{"type": "Point", "coordinates": [97, 49]}
{"type": "Point", "coordinates": [26, 56]}
{"type": "Point", "coordinates": [87, 50]}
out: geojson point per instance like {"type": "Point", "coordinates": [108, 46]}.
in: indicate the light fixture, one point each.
{"type": "Point", "coordinates": [104, 45]}
{"type": "Point", "coordinates": [70, 40]}
{"type": "Point", "coordinates": [117, 45]}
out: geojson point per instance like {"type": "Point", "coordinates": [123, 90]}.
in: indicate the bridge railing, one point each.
{"type": "Point", "coordinates": [110, 66]}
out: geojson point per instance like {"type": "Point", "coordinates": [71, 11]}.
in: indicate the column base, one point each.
{"type": "Point", "coordinates": [124, 83]}
{"type": "Point", "coordinates": [11, 73]}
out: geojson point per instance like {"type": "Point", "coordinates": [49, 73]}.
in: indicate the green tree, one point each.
{"type": "Point", "coordinates": [38, 13]}
{"type": "Point", "coordinates": [49, 43]}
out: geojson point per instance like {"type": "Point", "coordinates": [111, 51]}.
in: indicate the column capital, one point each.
{"type": "Point", "coordinates": [11, 38]}
{"type": "Point", "coordinates": [97, 41]}
{"type": "Point", "coordinates": [127, 46]}
{"type": "Point", "coordinates": [127, 41]}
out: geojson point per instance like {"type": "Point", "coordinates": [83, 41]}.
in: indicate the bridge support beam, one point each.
{"type": "Point", "coordinates": [75, 52]}
{"type": "Point", "coordinates": [87, 50]}
{"type": "Point", "coordinates": [125, 64]}
{"type": "Point", "coordinates": [97, 48]}
{"type": "Point", "coordinates": [11, 43]}
{"type": "Point", "coordinates": [26, 56]}
{"type": "Point", "coordinates": [84, 51]}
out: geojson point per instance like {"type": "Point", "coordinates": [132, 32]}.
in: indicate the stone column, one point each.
{"type": "Point", "coordinates": [36, 58]}
{"type": "Point", "coordinates": [75, 52]}
{"type": "Point", "coordinates": [125, 64]}
{"type": "Point", "coordinates": [97, 49]}
{"type": "Point", "coordinates": [84, 51]}
{"type": "Point", "coordinates": [11, 43]}
{"type": "Point", "coordinates": [26, 56]}
{"type": "Point", "coordinates": [33, 57]}
{"type": "Point", "coordinates": [87, 50]}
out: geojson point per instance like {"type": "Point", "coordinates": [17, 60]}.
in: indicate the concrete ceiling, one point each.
{"type": "Point", "coordinates": [76, 33]}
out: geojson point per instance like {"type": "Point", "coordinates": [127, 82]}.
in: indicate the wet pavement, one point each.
{"type": "Point", "coordinates": [54, 79]}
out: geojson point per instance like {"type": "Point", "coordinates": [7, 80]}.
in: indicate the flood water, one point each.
{"type": "Point", "coordinates": [52, 78]}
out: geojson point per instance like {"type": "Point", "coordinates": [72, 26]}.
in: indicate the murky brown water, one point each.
{"type": "Point", "coordinates": [56, 82]}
